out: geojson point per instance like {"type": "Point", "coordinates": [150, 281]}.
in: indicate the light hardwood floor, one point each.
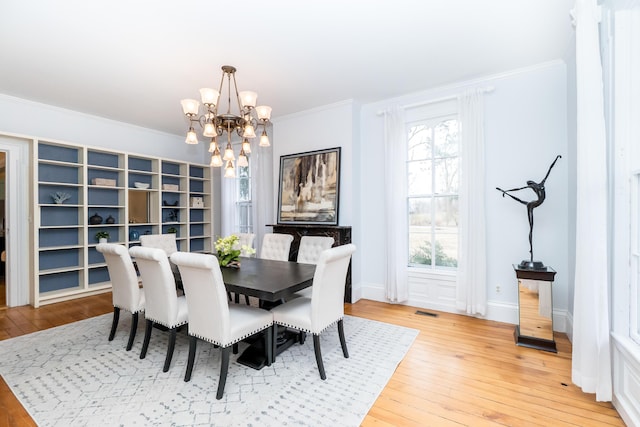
{"type": "Point", "coordinates": [460, 371]}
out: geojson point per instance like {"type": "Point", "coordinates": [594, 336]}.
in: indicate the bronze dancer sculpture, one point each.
{"type": "Point", "coordinates": [539, 189]}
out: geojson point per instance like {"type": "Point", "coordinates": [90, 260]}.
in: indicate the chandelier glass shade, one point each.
{"type": "Point", "coordinates": [214, 121]}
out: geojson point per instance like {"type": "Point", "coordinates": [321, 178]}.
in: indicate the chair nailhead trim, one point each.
{"type": "Point", "coordinates": [308, 330]}
{"type": "Point", "coordinates": [216, 342]}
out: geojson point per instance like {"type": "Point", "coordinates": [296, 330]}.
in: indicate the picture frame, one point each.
{"type": "Point", "coordinates": [309, 187]}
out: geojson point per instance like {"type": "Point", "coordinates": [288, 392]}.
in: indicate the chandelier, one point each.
{"type": "Point", "coordinates": [215, 123]}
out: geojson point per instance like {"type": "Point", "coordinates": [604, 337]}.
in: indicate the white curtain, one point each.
{"type": "Point", "coordinates": [471, 286]}
{"type": "Point", "coordinates": [262, 191]}
{"type": "Point", "coordinates": [591, 359]}
{"type": "Point", "coordinates": [228, 200]}
{"type": "Point", "coordinates": [395, 203]}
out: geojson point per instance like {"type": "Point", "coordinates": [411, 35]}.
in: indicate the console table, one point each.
{"type": "Point", "coordinates": [341, 236]}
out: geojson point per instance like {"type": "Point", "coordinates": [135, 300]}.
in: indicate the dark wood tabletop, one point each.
{"type": "Point", "coordinates": [268, 280]}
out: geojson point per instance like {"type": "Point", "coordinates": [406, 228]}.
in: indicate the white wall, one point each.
{"type": "Point", "coordinates": [32, 119]}
{"type": "Point", "coordinates": [525, 128]}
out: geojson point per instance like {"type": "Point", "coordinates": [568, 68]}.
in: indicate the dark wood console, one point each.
{"type": "Point", "coordinates": [341, 236]}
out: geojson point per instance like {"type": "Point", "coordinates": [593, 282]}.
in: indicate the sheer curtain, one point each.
{"type": "Point", "coordinates": [471, 287]}
{"type": "Point", "coordinates": [262, 191]}
{"type": "Point", "coordinates": [591, 359]}
{"type": "Point", "coordinates": [395, 202]}
{"type": "Point", "coordinates": [228, 200]}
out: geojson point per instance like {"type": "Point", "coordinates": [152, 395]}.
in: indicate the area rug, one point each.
{"type": "Point", "coordinates": [73, 376]}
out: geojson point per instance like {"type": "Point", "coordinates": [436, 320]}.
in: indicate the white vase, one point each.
{"type": "Point", "coordinates": [102, 240]}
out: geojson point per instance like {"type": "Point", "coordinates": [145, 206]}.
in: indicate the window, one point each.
{"type": "Point", "coordinates": [432, 192]}
{"type": "Point", "coordinates": [244, 220]}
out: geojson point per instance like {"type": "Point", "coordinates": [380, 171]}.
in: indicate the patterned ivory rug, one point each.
{"type": "Point", "coordinates": [73, 376]}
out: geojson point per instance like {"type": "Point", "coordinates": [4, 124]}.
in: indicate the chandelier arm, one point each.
{"type": "Point", "coordinates": [235, 85]}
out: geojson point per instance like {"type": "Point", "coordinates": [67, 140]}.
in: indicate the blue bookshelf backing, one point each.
{"type": "Point", "coordinates": [197, 245]}
{"type": "Point", "coordinates": [171, 168]}
{"type": "Point", "coordinates": [54, 215]}
{"type": "Point", "coordinates": [58, 153]}
{"type": "Point", "coordinates": [58, 237]}
{"type": "Point", "coordinates": [196, 229]}
{"type": "Point", "coordinates": [196, 215]}
{"type": "Point", "coordinates": [98, 158]}
{"type": "Point", "coordinates": [98, 275]}
{"type": "Point", "coordinates": [57, 173]}
{"type": "Point", "coordinates": [62, 258]}
{"type": "Point", "coordinates": [45, 192]}
{"type": "Point", "coordinates": [196, 171]}
{"type": "Point", "coordinates": [136, 163]}
{"type": "Point", "coordinates": [103, 196]}
{"type": "Point", "coordinates": [99, 173]}
{"type": "Point", "coordinates": [196, 186]}
{"type": "Point", "coordinates": [59, 281]}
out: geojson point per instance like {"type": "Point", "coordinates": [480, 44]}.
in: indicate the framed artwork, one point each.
{"type": "Point", "coordinates": [309, 187]}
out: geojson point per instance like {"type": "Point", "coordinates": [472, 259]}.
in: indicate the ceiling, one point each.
{"type": "Point", "coordinates": [133, 61]}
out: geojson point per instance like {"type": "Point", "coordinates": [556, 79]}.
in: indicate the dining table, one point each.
{"type": "Point", "coordinates": [271, 282]}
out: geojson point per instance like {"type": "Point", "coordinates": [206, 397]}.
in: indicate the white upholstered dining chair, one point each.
{"type": "Point", "coordinates": [212, 318]}
{"type": "Point", "coordinates": [245, 239]}
{"type": "Point", "coordinates": [125, 290]}
{"type": "Point", "coordinates": [311, 247]}
{"type": "Point", "coordinates": [325, 307]}
{"type": "Point", "coordinates": [276, 246]}
{"type": "Point", "coordinates": [163, 305]}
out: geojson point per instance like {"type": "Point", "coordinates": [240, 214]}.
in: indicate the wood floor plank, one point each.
{"type": "Point", "coordinates": [460, 371]}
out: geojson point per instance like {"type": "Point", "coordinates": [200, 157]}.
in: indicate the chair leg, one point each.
{"type": "Point", "coordinates": [192, 355]}
{"type": "Point", "coordinates": [268, 344]}
{"type": "Point", "coordinates": [343, 342]}
{"type": "Point", "coordinates": [316, 347]}
{"type": "Point", "coordinates": [147, 337]}
{"type": "Point", "coordinates": [132, 332]}
{"type": "Point", "coordinates": [235, 348]}
{"type": "Point", "coordinates": [170, 347]}
{"type": "Point", "coordinates": [246, 299]}
{"type": "Point", "coordinates": [237, 298]}
{"type": "Point", "coordinates": [224, 368]}
{"type": "Point", "coordinates": [274, 343]}
{"type": "Point", "coordinates": [114, 323]}
{"type": "Point", "coordinates": [229, 296]}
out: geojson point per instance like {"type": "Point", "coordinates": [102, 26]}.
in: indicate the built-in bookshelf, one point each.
{"type": "Point", "coordinates": [81, 191]}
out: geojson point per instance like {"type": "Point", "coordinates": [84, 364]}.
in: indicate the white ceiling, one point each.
{"type": "Point", "coordinates": [134, 60]}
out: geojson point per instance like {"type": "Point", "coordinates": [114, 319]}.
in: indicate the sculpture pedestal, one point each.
{"type": "Point", "coordinates": [535, 309]}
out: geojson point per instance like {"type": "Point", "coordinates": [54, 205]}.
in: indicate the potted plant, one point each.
{"type": "Point", "coordinates": [172, 230]}
{"type": "Point", "coordinates": [102, 236]}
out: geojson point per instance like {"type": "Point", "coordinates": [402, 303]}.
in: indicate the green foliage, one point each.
{"type": "Point", "coordinates": [102, 235]}
{"type": "Point", "coordinates": [422, 255]}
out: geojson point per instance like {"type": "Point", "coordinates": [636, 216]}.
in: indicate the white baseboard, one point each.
{"type": "Point", "coordinates": [498, 311]}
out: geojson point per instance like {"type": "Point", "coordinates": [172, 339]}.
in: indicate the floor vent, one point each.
{"type": "Point", "coordinates": [426, 313]}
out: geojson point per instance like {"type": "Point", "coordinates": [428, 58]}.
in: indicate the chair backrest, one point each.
{"type": "Point", "coordinates": [206, 296]}
{"type": "Point", "coordinates": [166, 242]}
{"type": "Point", "coordinates": [311, 247]}
{"type": "Point", "coordinates": [159, 285]}
{"type": "Point", "coordinates": [124, 280]}
{"type": "Point", "coordinates": [245, 239]}
{"type": "Point", "coordinates": [276, 246]}
{"type": "Point", "coordinates": [327, 292]}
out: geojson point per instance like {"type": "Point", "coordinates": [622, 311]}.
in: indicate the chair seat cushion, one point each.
{"type": "Point", "coordinates": [246, 321]}
{"type": "Point", "coordinates": [295, 314]}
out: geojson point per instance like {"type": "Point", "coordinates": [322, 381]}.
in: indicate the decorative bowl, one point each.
{"type": "Point", "coordinates": [141, 185]}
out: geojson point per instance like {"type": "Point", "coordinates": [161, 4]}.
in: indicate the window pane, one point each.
{"type": "Point", "coordinates": [447, 212]}
{"type": "Point", "coordinates": [419, 213]}
{"type": "Point", "coordinates": [420, 140]}
{"type": "Point", "coordinates": [446, 138]}
{"type": "Point", "coordinates": [446, 176]}
{"type": "Point", "coordinates": [419, 178]}
{"type": "Point", "coordinates": [420, 247]}
{"type": "Point", "coordinates": [244, 190]}
{"type": "Point", "coordinates": [446, 250]}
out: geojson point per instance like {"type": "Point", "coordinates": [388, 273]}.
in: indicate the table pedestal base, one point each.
{"type": "Point", "coordinates": [254, 355]}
